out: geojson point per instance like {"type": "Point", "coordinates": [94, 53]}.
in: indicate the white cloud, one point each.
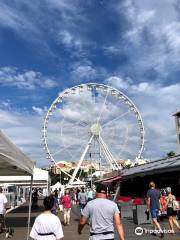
{"type": "Point", "coordinates": [31, 21]}
{"type": "Point", "coordinates": [117, 81]}
{"type": "Point", "coordinates": [145, 17]}
{"type": "Point", "coordinates": [5, 104]}
{"type": "Point", "coordinates": [157, 103]}
{"type": "Point", "coordinates": [24, 129]}
{"type": "Point", "coordinates": [39, 111]}
{"type": "Point", "coordinates": [84, 72]}
{"type": "Point", "coordinates": [172, 33]}
{"type": "Point", "coordinates": [152, 36]}
{"type": "Point", "coordinates": [27, 79]}
{"type": "Point", "coordinates": [139, 20]}
{"type": "Point", "coordinates": [70, 124]}
{"type": "Point", "coordinates": [62, 5]}
{"type": "Point", "coordinates": [8, 119]}
{"type": "Point", "coordinates": [69, 40]}
{"type": "Point", "coordinates": [12, 18]}
{"type": "Point", "coordinates": [112, 50]}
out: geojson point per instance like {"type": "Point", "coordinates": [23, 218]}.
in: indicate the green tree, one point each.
{"type": "Point", "coordinates": [171, 154]}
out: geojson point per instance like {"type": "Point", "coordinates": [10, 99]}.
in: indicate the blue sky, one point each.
{"type": "Point", "coordinates": [47, 46]}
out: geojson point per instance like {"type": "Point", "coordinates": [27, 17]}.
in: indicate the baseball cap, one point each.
{"type": "Point", "coordinates": [101, 188]}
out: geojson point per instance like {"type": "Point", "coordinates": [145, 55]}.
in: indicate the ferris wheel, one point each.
{"type": "Point", "coordinates": [93, 122]}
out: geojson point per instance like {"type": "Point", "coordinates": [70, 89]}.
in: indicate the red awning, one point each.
{"type": "Point", "coordinates": [109, 181]}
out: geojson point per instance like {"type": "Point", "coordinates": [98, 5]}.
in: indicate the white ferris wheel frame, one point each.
{"type": "Point", "coordinates": [108, 89]}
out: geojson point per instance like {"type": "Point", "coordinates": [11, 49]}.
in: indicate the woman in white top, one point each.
{"type": "Point", "coordinates": [47, 226]}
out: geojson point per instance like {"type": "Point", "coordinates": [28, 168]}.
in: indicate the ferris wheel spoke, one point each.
{"type": "Point", "coordinates": [115, 119]}
{"type": "Point", "coordinates": [68, 151]}
{"type": "Point", "coordinates": [80, 123]}
{"type": "Point", "coordinates": [124, 144]}
{"type": "Point", "coordinates": [63, 149]}
{"type": "Point", "coordinates": [108, 153]}
{"type": "Point", "coordinates": [59, 151]}
{"type": "Point", "coordinates": [77, 126]}
{"type": "Point", "coordinates": [126, 137]}
{"type": "Point", "coordinates": [78, 150]}
{"type": "Point", "coordinates": [103, 106]}
{"type": "Point", "coordinates": [125, 141]}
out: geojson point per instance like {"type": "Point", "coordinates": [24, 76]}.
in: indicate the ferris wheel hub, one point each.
{"type": "Point", "coordinates": [95, 129]}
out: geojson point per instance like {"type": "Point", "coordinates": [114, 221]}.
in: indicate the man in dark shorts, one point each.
{"type": "Point", "coordinates": [153, 205]}
{"type": "Point", "coordinates": [103, 215]}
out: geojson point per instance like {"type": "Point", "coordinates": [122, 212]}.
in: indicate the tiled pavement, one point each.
{"type": "Point", "coordinates": [18, 220]}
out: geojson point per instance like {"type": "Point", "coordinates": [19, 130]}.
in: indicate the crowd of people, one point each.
{"type": "Point", "coordinates": [64, 200]}
{"type": "Point", "coordinates": [100, 213]}
{"type": "Point", "coordinates": [92, 208]}
{"type": "Point", "coordinates": [96, 210]}
{"type": "Point", "coordinates": [162, 202]}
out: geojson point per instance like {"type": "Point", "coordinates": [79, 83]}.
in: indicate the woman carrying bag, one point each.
{"type": "Point", "coordinates": [172, 208]}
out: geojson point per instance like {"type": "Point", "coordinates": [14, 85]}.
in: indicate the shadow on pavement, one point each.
{"type": "Point", "coordinates": [19, 222]}
{"type": "Point", "coordinates": [25, 209]}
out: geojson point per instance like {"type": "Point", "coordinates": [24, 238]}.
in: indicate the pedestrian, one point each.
{"type": "Point", "coordinates": [103, 214]}
{"type": "Point", "coordinates": [163, 203]}
{"type": "Point", "coordinates": [77, 193]}
{"type": "Point", "coordinates": [72, 194]}
{"type": "Point", "coordinates": [153, 205]}
{"type": "Point", "coordinates": [55, 206]}
{"type": "Point", "coordinates": [35, 198]}
{"type": "Point", "coordinates": [56, 193]}
{"type": "Point", "coordinates": [82, 198]}
{"type": "Point", "coordinates": [171, 212]}
{"type": "Point", "coordinates": [67, 204]}
{"type": "Point", "coordinates": [60, 195]}
{"type": "Point", "coordinates": [90, 195]}
{"type": "Point", "coordinates": [3, 204]}
{"type": "Point", "coordinates": [47, 226]}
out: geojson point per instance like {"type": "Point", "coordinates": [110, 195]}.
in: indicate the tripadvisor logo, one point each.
{"type": "Point", "coordinates": [139, 231]}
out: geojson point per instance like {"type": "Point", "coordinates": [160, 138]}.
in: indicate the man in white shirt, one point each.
{"type": "Point", "coordinates": [3, 203]}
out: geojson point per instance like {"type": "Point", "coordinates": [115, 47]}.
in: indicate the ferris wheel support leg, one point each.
{"type": "Point", "coordinates": [81, 160]}
{"type": "Point", "coordinates": [106, 153]}
{"type": "Point", "coordinates": [109, 153]}
{"type": "Point", "coordinates": [64, 172]}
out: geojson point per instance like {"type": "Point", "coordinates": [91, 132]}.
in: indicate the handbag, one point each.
{"type": "Point", "coordinates": [175, 205]}
{"type": "Point", "coordinates": [60, 207]}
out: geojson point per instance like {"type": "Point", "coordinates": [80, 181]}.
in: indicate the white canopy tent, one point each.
{"type": "Point", "coordinates": [77, 183]}
{"type": "Point", "coordinates": [40, 179]}
{"type": "Point", "coordinates": [14, 162]}
{"type": "Point", "coordinates": [56, 186]}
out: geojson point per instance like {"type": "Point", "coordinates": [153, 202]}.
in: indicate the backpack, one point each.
{"type": "Point", "coordinates": [175, 205]}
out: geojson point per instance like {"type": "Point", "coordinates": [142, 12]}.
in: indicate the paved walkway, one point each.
{"type": "Point", "coordinates": [18, 220]}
